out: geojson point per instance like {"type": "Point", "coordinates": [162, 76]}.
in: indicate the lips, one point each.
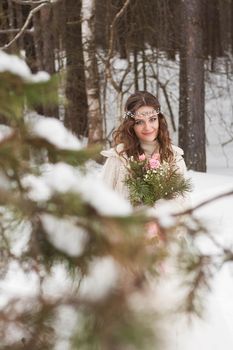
{"type": "Point", "coordinates": [148, 133]}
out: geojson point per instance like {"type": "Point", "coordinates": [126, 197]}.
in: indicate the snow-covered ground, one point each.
{"type": "Point", "coordinates": [215, 330]}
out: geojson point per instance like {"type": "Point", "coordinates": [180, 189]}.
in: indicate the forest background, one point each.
{"type": "Point", "coordinates": [84, 258]}
{"type": "Point", "coordinates": [104, 50]}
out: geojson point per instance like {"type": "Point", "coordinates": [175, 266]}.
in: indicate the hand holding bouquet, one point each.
{"type": "Point", "coordinates": [150, 180]}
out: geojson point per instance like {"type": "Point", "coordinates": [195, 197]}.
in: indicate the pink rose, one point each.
{"type": "Point", "coordinates": [152, 230]}
{"type": "Point", "coordinates": [154, 163]}
{"type": "Point", "coordinates": [142, 157]}
{"type": "Point", "coordinates": [156, 156]}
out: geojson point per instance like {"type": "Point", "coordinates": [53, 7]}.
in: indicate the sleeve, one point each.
{"type": "Point", "coordinates": [180, 164]}
{"type": "Point", "coordinates": [181, 202]}
{"type": "Point", "coordinates": [110, 171]}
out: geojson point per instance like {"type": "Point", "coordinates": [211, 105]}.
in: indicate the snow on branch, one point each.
{"type": "Point", "coordinates": [17, 66]}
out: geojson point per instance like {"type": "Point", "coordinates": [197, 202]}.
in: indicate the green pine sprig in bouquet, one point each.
{"type": "Point", "coordinates": [150, 180]}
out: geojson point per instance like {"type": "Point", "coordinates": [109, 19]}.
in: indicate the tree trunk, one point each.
{"type": "Point", "coordinates": [29, 42]}
{"type": "Point", "coordinates": [19, 23]}
{"type": "Point", "coordinates": [44, 49]}
{"type": "Point", "coordinates": [38, 42]}
{"type": "Point", "coordinates": [95, 132]}
{"type": "Point", "coordinates": [121, 30]}
{"type": "Point", "coordinates": [4, 23]}
{"type": "Point", "coordinates": [135, 65]}
{"type": "Point", "coordinates": [232, 29]}
{"type": "Point", "coordinates": [46, 20]}
{"type": "Point", "coordinates": [76, 110]}
{"type": "Point", "coordinates": [144, 66]}
{"type": "Point", "coordinates": [11, 19]}
{"type": "Point", "coordinates": [191, 114]}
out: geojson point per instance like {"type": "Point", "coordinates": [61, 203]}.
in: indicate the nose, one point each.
{"type": "Point", "coordinates": [147, 126]}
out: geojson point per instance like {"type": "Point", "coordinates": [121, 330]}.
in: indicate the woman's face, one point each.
{"type": "Point", "coordinates": [146, 126]}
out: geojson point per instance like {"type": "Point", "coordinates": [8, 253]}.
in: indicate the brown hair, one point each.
{"type": "Point", "coordinates": [125, 133]}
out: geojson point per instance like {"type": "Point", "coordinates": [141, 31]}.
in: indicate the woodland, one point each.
{"type": "Point", "coordinates": [80, 40]}
{"type": "Point", "coordinates": [77, 270]}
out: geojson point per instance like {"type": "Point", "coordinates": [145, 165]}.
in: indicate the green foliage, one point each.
{"type": "Point", "coordinates": [17, 93]}
{"type": "Point", "coordinates": [101, 322]}
{"type": "Point", "coordinates": [25, 155]}
{"type": "Point", "coordinates": [121, 331]}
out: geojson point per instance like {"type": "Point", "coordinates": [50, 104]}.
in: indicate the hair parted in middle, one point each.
{"type": "Point", "coordinates": [125, 132]}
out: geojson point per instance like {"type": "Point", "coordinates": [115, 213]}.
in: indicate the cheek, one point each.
{"type": "Point", "coordinates": [155, 125]}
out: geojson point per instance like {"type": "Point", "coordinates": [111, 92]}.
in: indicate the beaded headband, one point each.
{"type": "Point", "coordinates": [130, 114]}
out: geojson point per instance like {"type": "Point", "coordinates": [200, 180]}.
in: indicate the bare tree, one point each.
{"type": "Point", "coordinates": [76, 110]}
{"type": "Point", "coordinates": [43, 22]}
{"type": "Point", "coordinates": [192, 119]}
{"type": "Point", "coordinates": [91, 72]}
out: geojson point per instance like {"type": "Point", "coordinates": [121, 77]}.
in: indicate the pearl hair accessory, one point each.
{"type": "Point", "coordinates": [129, 114]}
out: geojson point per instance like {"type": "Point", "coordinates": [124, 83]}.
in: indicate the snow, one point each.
{"type": "Point", "coordinates": [164, 213]}
{"type": "Point", "coordinates": [106, 201]}
{"type": "Point", "coordinates": [214, 331]}
{"type": "Point", "coordinates": [217, 215]}
{"type": "Point", "coordinates": [216, 327]}
{"type": "Point", "coordinates": [65, 325]}
{"type": "Point", "coordinates": [17, 284]}
{"type": "Point", "coordinates": [60, 136]}
{"type": "Point", "coordinates": [65, 235]}
{"type": "Point", "coordinates": [62, 178]}
{"type": "Point", "coordinates": [5, 131]}
{"type": "Point", "coordinates": [17, 66]}
{"type": "Point", "coordinates": [58, 283]}
{"type": "Point", "coordinates": [101, 279]}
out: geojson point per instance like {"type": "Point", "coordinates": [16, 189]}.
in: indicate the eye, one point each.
{"type": "Point", "coordinates": [138, 122]}
{"type": "Point", "coordinates": [153, 119]}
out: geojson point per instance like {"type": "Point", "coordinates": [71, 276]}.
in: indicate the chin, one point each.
{"type": "Point", "coordinates": [149, 138]}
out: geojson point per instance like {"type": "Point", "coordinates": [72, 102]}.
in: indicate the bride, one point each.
{"type": "Point", "coordinates": [144, 131]}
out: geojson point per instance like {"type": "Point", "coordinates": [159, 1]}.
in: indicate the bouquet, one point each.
{"type": "Point", "coordinates": [150, 180]}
